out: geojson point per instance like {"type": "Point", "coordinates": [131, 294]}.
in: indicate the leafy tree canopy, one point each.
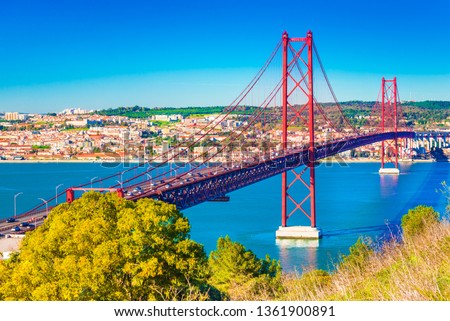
{"type": "Point", "coordinates": [232, 266]}
{"type": "Point", "coordinates": [102, 247]}
{"type": "Point", "coordinates": [417, 219]}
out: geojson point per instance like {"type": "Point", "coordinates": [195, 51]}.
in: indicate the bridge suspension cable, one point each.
{"type": "Point", "coordinates": [332, 91]}
{"type": "Point", "coordinates": [201, 132]}
{"type": "Point", "coordinates": [301, 85]}
{"type": "Point", "coordinates": [257, 115]}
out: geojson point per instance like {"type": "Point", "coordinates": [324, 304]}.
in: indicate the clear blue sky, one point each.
{"type": "Point", "coordinates": [109, 53]}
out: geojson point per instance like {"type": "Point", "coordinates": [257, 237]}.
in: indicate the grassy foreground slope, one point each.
{"type": "Point", "coordinates": [414, 268]}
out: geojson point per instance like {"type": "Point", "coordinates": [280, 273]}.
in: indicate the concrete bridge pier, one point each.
{"type": "Point", "coordinates": [298, 232]}
{"type": "Point", "coordinates": [389, 171]}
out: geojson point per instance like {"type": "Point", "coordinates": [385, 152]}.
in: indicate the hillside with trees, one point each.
{"type": "Point", "coordinates": [420, 115]}
{"type": "Point", "coordinates": [145, 112]}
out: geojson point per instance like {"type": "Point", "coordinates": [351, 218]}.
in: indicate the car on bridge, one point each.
{"type": "Point", "coordinates": [15, 229]}
{"type": "Point", "coordinates": [30, 227]}
{"type": "Point", "coordinates": [11, 220]}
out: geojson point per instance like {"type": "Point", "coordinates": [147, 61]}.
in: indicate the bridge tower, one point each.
{"type": "Point", "coordinates": [389, 123]}
{"type": "Point", "coordinates": [297, 83]}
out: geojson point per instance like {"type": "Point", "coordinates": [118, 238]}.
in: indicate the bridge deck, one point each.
{"type": "Point", "coordinates": [197, 186]}
{"type": "Point", "coordinates": [194, 187]}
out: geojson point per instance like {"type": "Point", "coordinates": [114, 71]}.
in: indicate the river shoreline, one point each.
{"type": "Point", "coordinates": [329, 160]}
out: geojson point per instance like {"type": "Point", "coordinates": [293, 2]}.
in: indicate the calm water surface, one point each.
{"type": "Point", "coordinates": [352, 201]}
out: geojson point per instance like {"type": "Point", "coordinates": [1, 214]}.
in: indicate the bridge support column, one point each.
{"type": "Point", "coordinates": [70, 195]}
{"type": "Point", "coordinates": [288, 201]}
{"type": "Point", "coordinates": [389, 120]}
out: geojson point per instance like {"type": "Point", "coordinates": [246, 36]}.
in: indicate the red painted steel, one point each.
{"type": "Point", "coordinates": [312, 175]}
{"type": "Point", "coordinates": [70, 192]}
{"type": "Point", "coordinates": [395, 120]}
{"type": "Point", "coordinates": [383, 85]}
{"type": "Point", "coordinates": [298, 83]}
{"type": "Point", "coordinates": [70, 195]}
{"type": "Point", "coordinates": [284, 186]}
{"type": "Point", "coordinates": [389, 121]}
{"type": "Point", "coordinates": [198, 185]}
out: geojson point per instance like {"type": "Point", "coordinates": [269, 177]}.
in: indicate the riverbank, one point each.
{"type": "Point", "coordinates": [370, 160]}
{"type": "Point", "coordinates": [68, 161]}
{"type": "Point", "coordinates": [43, 161]}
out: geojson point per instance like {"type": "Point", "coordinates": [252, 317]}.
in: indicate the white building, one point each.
{"type": "Point", "coordinates": [12, 116]}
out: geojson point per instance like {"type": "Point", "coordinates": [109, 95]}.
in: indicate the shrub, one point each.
{"type": "Point", "coordinates": [417, 219]}
{"type": "Point", "coordinates": [235, 269]}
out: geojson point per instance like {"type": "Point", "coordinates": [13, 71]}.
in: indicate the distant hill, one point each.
{"type": "Point", "coordinates": [144, 112]}
{"type": "Point", "coordinates": [429, 104]}
{"type": "Point", "coordinates": [416, 113]}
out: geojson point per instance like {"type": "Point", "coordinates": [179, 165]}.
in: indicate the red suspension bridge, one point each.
{"type": "Point", "coordinates": [286, 133]}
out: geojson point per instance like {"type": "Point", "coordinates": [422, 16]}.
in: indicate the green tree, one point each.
{"type": "Point", "coordinates": [417, 219]}
{"type": "Point", "coordinates": [102, 247]}
{"type": "Point", "coordinates": [234, 268]}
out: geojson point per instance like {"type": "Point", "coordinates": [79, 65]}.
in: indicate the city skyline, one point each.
{"type": "Point", "coordinates": [58, 54]}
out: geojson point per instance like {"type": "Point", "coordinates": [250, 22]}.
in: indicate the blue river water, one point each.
{"type": "Point", "coordinates": [353, 200]}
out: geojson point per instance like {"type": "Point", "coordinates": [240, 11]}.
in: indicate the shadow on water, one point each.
{"type": "Point", "coordinates": [427, 194]}
{"type": "Point", "coordinates": [356, 230]}
{"type": "Point", "coordinates": [437, 173]}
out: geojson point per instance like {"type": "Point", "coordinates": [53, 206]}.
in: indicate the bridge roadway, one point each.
{"type": "Point", "coordinates": [34, 219]}
{"type": "Point", "coordinates": [189, 189]}
{"type": "Point", "coordinates": [199, 185]}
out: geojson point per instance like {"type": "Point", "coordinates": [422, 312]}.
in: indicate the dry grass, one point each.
{"type": "Point", "coordinates": [417, 268]}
